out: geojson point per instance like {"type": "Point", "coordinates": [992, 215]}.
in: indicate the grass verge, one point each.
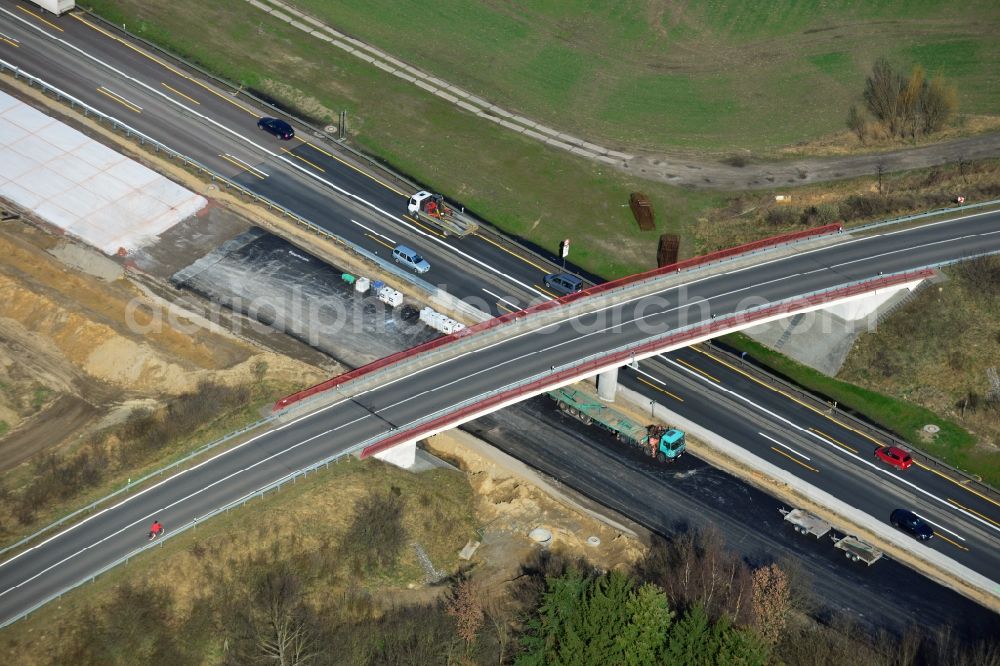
{"type": "Point", "coordinates": [953, 444]}
{"type": "Point", "coordinates": [48, 504]}
{"type": "Point", "coordinates": [300, 524]}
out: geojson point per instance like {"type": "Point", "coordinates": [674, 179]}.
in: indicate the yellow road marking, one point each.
{"type": "Point", "coordinates": [700, 372]}
{"type": "Point", "coordinates": [298, 157]}
{"type": "Point", "coordinates": [48, 23]}
{"type": "Point", "coordinates": [957, 483]}
{"type": "Point", "coordinates": [542, 289]}
{"type": "Point", "coordinates": [793, 459]}
{"type": "Point", "coordinates": [504, 307]}
{"type": "Point", "coordinates": [425, 227]}
{"type": "Point", "coordinates": [121, 100]}
{"type": "Point", "coordinates": [379, 240]}
{"type": "Point", "coordinates": [159, 62]}
{"type": "Point", "coordinates": [241, 167]}
{"type": "Point", "coordinates": [12, 43]}
{"type": "Point", "coordinates": [351, 166]}
{"type": "Point", "coordinates": [839, 423]}
{"type": "Point", "coordinates": [513, 254]}
{"type": "Point", "coordinates": [652, 385]}
{"type": "Point", "coordinates": [789, 396]}
{"type": "Point", "coordinates": [178, 92]}
{"type": "Point", "coordinates": [965, 508]}
{"type": "Point", "coordinates": [954, 543]}
{"type": "Point", "coordinates": [835, 441]}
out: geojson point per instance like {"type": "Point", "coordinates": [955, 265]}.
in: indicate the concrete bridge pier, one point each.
{"type": "Point", "coordinates": [607, 385]}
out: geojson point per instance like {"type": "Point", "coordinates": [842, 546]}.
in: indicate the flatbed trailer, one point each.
{"type": "Point", "coordinates": [655, 440]}
{"type": "Point", "coordinates": [432, 209]}
{"type": "Point", "coordinates": [854, 549]}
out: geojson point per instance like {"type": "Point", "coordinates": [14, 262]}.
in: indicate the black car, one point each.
{"type": "Point", "coordinates": [912, 524]}
{"type": "Point", "coordinates": [277, 127]}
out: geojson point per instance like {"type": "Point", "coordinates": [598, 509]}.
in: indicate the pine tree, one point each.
{"type": "Point", "coordinates": [644, 638]}
{"type": "Point", "coordinates": [692, 642]}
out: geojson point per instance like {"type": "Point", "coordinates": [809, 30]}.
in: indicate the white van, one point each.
{"type": "Point", "coordinates": [409, 258]}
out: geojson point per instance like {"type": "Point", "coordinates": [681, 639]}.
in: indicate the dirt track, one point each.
{"type": "Point", "coordinates": [719, 176]}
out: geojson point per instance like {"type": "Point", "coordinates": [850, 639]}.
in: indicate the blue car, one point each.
{"type": "Point", "coordinates": [912, 524]}
{"type": "Point", "coordinates": [277, 127]}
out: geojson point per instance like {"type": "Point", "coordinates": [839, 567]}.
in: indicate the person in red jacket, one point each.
{"type": "Point", "coordinates": [155, 529]}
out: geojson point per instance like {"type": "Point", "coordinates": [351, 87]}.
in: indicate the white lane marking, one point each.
{"type": "Point", "coordinates": [246, 165]}
{"type": "Point", "coordinates": [934, 224]}
{"type": "Point", "coordinates": [165, 508]}
{"type": "Point", "coordinates": [349, 423]}
{"type": "Point", "coordinates": [879, 469]}
{"type": "Point", "coordinates": [945, 529]}
{"type": "Point", "coordinates": [655, 379]}
{"type": "Point", "coordinates": [502, 299]}
{"type": "Point", "coordinates": [369, 229]}
{"type": "Point", "coordinates": [785, 446]}
{"type": "Point", "coordinates": [282, 157]}
{"type": "Point", "coordinates": [860, 239]}
{"type": "Point", "coordinates": [171, 478]}
{"type": "Point", "coordinates": [905, 249]}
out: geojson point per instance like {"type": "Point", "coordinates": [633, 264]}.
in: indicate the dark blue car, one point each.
{"type": "Point", "coordinates": [912, 524]}
{"type": "Point", "coordinates": [277, 127]}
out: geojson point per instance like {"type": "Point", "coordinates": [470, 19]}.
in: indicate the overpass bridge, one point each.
{"type": "Point", "coordinates": [387, 405]}
{"type": "Point", "coordinates": [390, 404]}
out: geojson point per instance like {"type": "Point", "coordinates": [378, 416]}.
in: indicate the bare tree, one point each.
{"type": "Point", "coordinates": [466, 606]}
{"type": "Point", "coordinates": [274, 624]}
{"type": "Point", "coordinates": [940, 101]}
{"type": "Point", "coordinates": [856, 122]}
{"type": "Point", "coordinates": [882, 89]}
{"type": "Point", "coordinates": [771, 602]}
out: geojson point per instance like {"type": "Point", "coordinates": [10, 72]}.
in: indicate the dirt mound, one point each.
{"type": "Point", "coordinates": [95, 339]}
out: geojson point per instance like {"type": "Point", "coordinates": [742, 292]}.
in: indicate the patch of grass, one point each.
{"type": "Point", "coordinates": [953, 444]}
{"type": "Point", "coordinates": [299, 525]}
{"type": "Point", "coordinates": [752, 215]}
{"type": "Point", "coordinates": [104, 479]}
{"type": "Point", "coordinates": [721, 68]}
{"type": "Point", "coordinates": [954, 59]}
{"type": "Point", "coordinates": [39, 397]}
{"type": "Point", "coordinates": [4, 427]}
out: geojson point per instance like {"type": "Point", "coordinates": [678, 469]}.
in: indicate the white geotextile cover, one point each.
{"type": "Point", "coordinates": [72, 182]}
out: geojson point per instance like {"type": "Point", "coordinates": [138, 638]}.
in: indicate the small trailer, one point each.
{"type": "Point", "coordinates": [855, 549]}
{"type": "Point", "coordinates": [432, 209]}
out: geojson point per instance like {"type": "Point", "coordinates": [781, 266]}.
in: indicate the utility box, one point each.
{"type": "Point", "coordinates": [642, 209]}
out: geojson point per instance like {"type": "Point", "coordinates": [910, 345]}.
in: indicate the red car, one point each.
{"type": "Point", "coordinates": [895, 456]}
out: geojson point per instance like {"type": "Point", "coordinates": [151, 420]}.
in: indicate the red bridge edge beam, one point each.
{"type": "Point", "coordinates": [570, 374]}
{"type": "Point", "coordinates": [510, 316]}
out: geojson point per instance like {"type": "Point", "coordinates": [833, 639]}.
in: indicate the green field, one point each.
{"type": "Point", "coordinates": [720, 75]}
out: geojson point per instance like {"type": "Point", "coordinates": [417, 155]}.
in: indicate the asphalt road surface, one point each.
{"type": "Point", "coordinates": [333, 190]}
{"type": "Point", "coordinates": [72, 555]}
{"type": "Point", "coordinates": [687, 494]}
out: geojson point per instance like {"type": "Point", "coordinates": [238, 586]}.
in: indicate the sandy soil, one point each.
{"type": "Point", "coordinates": [513, 499]}
{"type": "Point", "coordinates": [79, 337]}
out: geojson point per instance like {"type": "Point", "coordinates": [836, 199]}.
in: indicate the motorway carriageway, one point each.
{"type": "Point", "coordinates": [705, 386]}
{"type": "Point", "coordinates": [290, 187]}
{"type": "Point", "coordinates": [338, 192]}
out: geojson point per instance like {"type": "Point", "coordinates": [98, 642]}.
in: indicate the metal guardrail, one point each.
{"type": "Point", "coordinates": [132, 484]}
{"type": "Point", "coordinates": [260, 492]}
{"type": "Point", "coordinates": [859, 424]}
{"type": "Point", "coordinates": [424, 352]}
{"type": "Point", "coordinates": [918, 216]}
{"type": "Point", "coordinates": [144, 139]}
